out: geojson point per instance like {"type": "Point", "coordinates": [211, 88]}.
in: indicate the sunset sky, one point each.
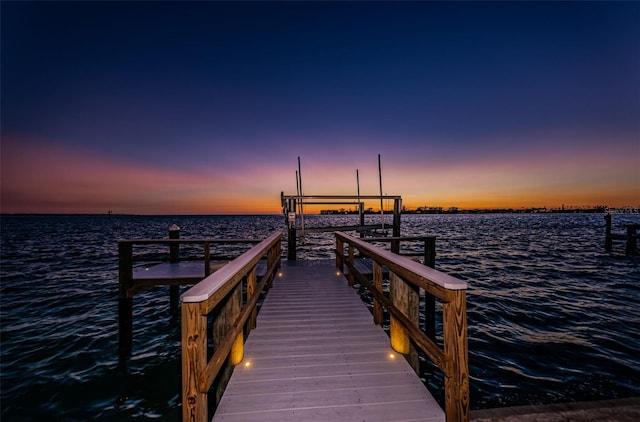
{"type": "Point", "coordinates": [204, 107]}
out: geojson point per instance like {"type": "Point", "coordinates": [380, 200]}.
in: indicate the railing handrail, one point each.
{"type": "Point", "coordinates": [403, 265]}
{"type": "Point", "coordinates": [234, 302]}
{"type": "Point", "coordinates": [234, 270]}
{"type": "Point", "coordinates": [405, 276]}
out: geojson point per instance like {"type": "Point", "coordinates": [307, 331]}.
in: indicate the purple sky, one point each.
{"type": "Point", "coordinates": [204, 107]}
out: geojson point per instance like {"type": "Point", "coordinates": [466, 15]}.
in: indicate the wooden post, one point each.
{"type": "Point", "coordinates": [125, 303]}
{"type": "Point", "coordinates": [350, 276]}
{"type": "Point", "coordinates": [397, 208]}
{"type": "Point", "coordinates": [608, 241]}
{"type": "Point", "coordinates": [225, 316]}
{"type": "Point", "coordinates": [174, 256]}
{"type": "Point", "coordinates": [406, 299]}
{"type": "Point", "coordinates": [273, 259]}
{"type": "Point", "coordinates": [251, 291]}
{"type": "Point", "coordinates": [397, 334]}
{"type": "Point", "coordinates": [456, 387]}
{"type": "Point", "coordinates": [339, 254]}
{"type": "Point", "coordinates": [207, 259]}
{"type": "Point", "coordinates": [378, 315]}
{"type": "Point", "coordinates": [430, 251]}
{"type": "Point", "coordinates": [194, 360]}
{"type": "Point", "coordinates": [291, 230]}
{"type": "Point", "coordinates": [361, 214]}
{"type": "Point", "coordinates": [632, 246]}
{"type": "Point", "coordinates": [430, 300]}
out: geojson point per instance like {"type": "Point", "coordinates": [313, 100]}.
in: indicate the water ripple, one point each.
{"type": "Point", "coordinates": [550, 314]}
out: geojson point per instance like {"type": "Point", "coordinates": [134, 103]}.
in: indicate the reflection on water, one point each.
{"type": "Point", "coordinates": [551, 315]}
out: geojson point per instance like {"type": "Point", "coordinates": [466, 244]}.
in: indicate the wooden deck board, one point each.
{"type": "Point", "coordinates": [316, 356]}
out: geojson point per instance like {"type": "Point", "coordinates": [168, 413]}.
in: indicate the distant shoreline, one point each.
{"type": "Point", "coordinates": [434, 210]}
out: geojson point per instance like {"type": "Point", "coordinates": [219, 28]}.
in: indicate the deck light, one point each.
{"type": "Point", "coordinates": [237, 350]}
{"type": "Point", "coordinates": [399, 337]}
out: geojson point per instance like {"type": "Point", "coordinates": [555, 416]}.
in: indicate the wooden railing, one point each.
{"type": "Point", "coordinates": [221, 294]}
{"type": "Point", "coordinates": [161, 251]}
{"type": "Point", "coordinates": [406, 277]}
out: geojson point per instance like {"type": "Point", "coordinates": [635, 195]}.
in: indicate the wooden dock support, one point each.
{"type": "Point", "coordinates": [456, 384]}
{"type": "Point", "coordinates": [630, 237]}
{"type": "Point", "coordinates": [174, 256]}
{"type": "Point", "coordinates": [608, 241]}
{"type": "Point", "coordinates": [125, 303]}
{"type": "Point", "coordinates": [397, 208]}
{"type": "Point", "coordinates": [291, 229]}
{"type": "Point", "coordinates": [194, 362]}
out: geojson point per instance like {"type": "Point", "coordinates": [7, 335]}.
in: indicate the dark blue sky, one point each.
{"type": "Point", "coordinates": [185, 86]}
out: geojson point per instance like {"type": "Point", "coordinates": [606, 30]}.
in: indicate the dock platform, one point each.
{"type": "Point", "coordinates": [316, 354]}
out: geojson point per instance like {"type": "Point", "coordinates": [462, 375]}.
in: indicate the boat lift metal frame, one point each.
{"type": "Point", "coordinates": [292, 203]}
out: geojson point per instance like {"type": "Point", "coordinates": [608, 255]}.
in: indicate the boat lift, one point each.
{"type": "Point", "coordinates": [292, 204]}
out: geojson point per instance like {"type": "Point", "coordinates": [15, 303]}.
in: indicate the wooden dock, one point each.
{"type": "Point", "coordinates": [316, 354]}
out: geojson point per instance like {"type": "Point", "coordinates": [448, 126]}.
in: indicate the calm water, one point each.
{"type": "Point", "coordinates": [552, 317]}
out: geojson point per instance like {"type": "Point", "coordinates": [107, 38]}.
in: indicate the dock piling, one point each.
{"type": "Point", "coordinates": [630, 237]}
{"type": "Point", "coordinates": [125, 303]}
{"type": "Point", "coordinates": [608, 241]}
{"type": "Point", "coordinates": [174, 256]}
{"type": "Point", "coordinates": [291, 230]}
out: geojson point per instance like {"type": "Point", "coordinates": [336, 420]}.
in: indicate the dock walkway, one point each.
{"type": "Point", "coordinates": [317, 355]}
